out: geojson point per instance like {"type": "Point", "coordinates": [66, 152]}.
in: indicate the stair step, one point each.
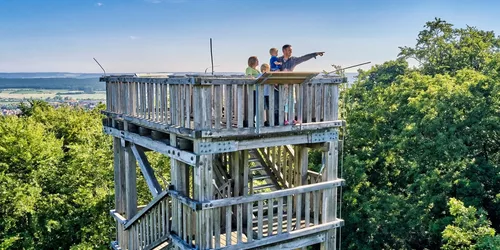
{"type": "Point", "coordinates": [257, 168]}
{"type": "Point", "coordinates": [260, 177]}
{"type": "Point", "coordinates": [256, 188]}
{"type": "Point", "coordinates": [253, 160]}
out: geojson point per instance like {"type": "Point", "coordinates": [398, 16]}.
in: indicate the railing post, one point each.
{"type": "Point", "coordinates": [131, 190]}
{"type": "Point", "coordinates": [120, 193]}
{"type": "Point", "coordinates": [329, 213]}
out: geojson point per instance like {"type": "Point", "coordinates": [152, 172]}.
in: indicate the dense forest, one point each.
{"type": "Point", "coordinates": [421, 157]}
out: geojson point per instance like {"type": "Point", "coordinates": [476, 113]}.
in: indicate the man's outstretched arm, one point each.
{"type": "Point", "coordinates": [304, 58]}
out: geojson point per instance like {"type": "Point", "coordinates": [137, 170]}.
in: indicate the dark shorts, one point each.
{"type": "Point", "coordinates": [266, 102]}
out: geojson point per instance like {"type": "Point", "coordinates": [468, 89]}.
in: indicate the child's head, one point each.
{"type": "Point", "coordinates": [273, 51]}
{"type": "Point", "coordinates": [253, 62]}
{"type": "Point", "coordinates": [265, 68]}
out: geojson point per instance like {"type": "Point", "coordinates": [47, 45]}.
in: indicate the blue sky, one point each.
{"type": "Point", "coordinates": [173, 35]}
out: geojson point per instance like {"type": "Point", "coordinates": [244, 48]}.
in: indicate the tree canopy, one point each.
{"type": "Point", "coordinates": [421, 157]}
{"type": "Point", "coordinates": [417, 137]}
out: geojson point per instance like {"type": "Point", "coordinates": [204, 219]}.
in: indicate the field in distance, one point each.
{"type": "Point", "coordinates": [23, 94]}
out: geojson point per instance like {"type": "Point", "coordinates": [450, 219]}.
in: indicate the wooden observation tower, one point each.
{"type": "Point", "coordinates": [239, 178]}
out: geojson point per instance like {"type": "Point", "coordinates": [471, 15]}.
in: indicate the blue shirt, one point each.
{"type": "Point", "coordinates": [274, 67]}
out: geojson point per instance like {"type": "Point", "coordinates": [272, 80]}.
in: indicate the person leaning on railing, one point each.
{"type": "Point", "coordinates": [288, 63]}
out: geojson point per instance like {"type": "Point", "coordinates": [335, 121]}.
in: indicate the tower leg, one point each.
{"type": "Point", "coordinates": [329, 213]}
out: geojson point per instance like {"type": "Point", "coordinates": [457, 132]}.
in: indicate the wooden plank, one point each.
{"type": "Point", "coordinates": [189, 102]}
{"type": "Point", "coordinates": [146, 142]}
{"type": "Point", "coordinates": [282, 102]}
{"type": "Point", "coordinates": [146, 209]}
{"type": "Point", "coordinates": [207, 195]}
{"type": "Point", "coordinates": [147, 170]}
{"type": "Point", "coordinates": [260, 220]}
{"type": "Point", "coordinates": [260, 105]}
{"type": "Point", "coordinates": [218, 106]}
{"type": "Point", "coordinates": [250, 106]}
{"type": "Point", "coordinates": [280, 216]}
{"type": "Point", "coordinates": [239, 223]}
{"type": "Point", "coordinates": [309, 102]}
{"type": "Point", "coordinates": [217, 224]}
{"type": "Point", "coordinates": [207, 107]}
{"type": "Point", "coordinates": [283, 78]}
{"type": "Point", "coordinates": [289, 214]}
{"type": "Point", "coordinates": [330, 196]}
{"type": "Point", "coordinates": [290, 100]}
{"type": "Point", "coordinates": [228, 226]}
{"type": "Point", "coordinates": [249, 222]}
{"type": "Point", "coordinates": [288, 236]}
{"type": "Point", "coordinates": [270, 218]}
{"type": "Point", "coordinates": [228, 109]}
{"type": "Point", "coordinates": [246, 169]}
{"type": "Point", "coordinates": [235, 158]}
{"type": "Point", "coordinates": [317, 103]}
{"type": "Point", "coordinates": [240, 106]}
{"type": "Point", "coordinates": [298, 214]}
{"type": "Point", "coordinates": [130, 183]}
{"type": "Point", "coordinates": [335, 101]}
{"type": "Point", "coordinates": [248, 132]}
{"type": "Point", "coordinates": [119, 176]}
{"type": "Point", "coordinates": [272, 107]}
{"type": "Point", "coordinates": [302, 243]}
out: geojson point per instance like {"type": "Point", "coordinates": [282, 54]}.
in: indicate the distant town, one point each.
{"type": "Point", "coordinates": [12, 108]}
{"type": "Point", "coordinates": [58, 89]}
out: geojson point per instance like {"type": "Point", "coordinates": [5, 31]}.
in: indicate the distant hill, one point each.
{"type": "Point", "coordinates": [27, 75]}
{"type": "Point", "coordinates": [74, 81]}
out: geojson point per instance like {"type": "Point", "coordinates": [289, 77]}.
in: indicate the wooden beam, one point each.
{"type": "Point", "coordinates": [130, 183]}
{"type": "Point", "coordinates": [146, 209]}
{"type": "Point", "coordinates": [273, 195]}
{"type": "Point", "coordinates": [249, 132]}
{"type": "Point", "coordinates": [287, 236]}
{"type": "Point", "coordinates": [146, 142]}
{"type": "Point", "coordinates": [297, 243]}
{"type": "Point", "coordinates": [147, 170]}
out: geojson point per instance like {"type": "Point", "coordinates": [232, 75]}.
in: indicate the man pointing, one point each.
{"type": "Point", "coordinates": [288, 62]}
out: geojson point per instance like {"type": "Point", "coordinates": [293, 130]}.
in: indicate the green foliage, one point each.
{"type": "Point", "coordinates": [416, 137]}
{"type": "Point", "coordinates": [470, 229]}
{"type": "Point", "coordinates": [441, 49]}
{"type": "Point", "coordinates": [56, 179]}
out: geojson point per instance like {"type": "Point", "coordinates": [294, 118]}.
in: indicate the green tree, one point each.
{"type": "Point", "coordinates": [442, 49]}
{"type": "Point", "coordinates": [416, 137]}
{"type": "Point", "coordinates": [470, 229]}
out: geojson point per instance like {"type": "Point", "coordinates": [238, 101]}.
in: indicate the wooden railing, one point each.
{"type": "Point", "coordinates": [223, 106]}
{"type": "Point", "coordinates": [281, 215]}
{"type": "Point", "coordinates": [314, 177]}
{"type": "Point", "coordinates": [149, 228]}
{"type": "Point", "coordinates": [281, 160]}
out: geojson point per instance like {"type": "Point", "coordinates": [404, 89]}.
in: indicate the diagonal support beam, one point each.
{"type": "Point", "coordinates": [147, 170]}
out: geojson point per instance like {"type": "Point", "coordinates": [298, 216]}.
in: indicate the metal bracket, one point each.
{"type": "Point", "coordinates": [325, 136]}
{"type": "Point", "coordinates": [217, 147]}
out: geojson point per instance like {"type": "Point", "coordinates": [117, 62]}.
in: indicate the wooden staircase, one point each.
{"type": "Point", "coordinates": [261, 175]}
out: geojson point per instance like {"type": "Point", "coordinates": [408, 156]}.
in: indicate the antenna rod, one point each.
{"type": "Point", "coordinates": [355, 65]}
{"type": "Point", "coordinates": [211, 56]}
{"type": "Point", "coordinates": [100, 66]}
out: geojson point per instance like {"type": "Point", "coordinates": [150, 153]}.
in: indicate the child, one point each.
{"type": "Point", "coordinates": [251, 70]}
{"type": "Point", "coordinates": [266, 68]}
{"type": "Point", "coordinates": [273, 62]}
